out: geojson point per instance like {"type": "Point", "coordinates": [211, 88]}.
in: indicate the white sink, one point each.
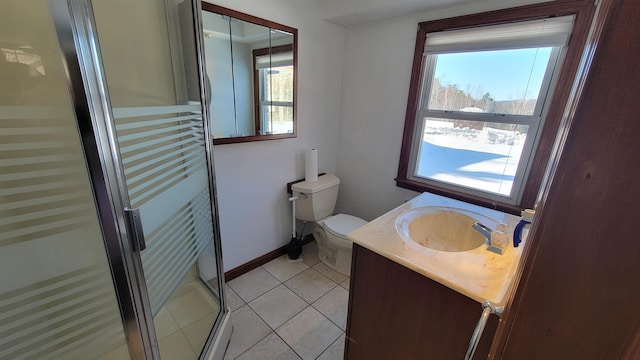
{"type": "Point", "coordinates": [442, 228]}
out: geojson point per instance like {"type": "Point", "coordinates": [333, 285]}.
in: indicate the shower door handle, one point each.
{"type": "Point", "coordinates": [134, 222]}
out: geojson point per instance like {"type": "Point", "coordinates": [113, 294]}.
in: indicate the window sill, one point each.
{"type": "Point", "coordinates": [421, 187]}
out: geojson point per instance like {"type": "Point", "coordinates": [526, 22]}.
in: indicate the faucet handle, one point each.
{"type": "Point", "coordinates": [496, 239]}
{"type": "Point", "coordinates": [499, 239]}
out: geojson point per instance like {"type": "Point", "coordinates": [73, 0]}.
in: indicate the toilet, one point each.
{"type": "Point", "coordinates": [316, 202]}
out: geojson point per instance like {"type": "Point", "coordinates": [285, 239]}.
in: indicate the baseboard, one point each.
{"type": "Point", "coordinates": [246, 267]}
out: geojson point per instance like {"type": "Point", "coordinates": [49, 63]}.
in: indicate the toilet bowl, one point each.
{"type": "Point", "coordinates": [334, 248]}
{"type": "Point", "coordinates": [316, 202]}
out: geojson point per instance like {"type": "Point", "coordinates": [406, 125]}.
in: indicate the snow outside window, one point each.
{"type": "Point", "coordinates": [482, 106]}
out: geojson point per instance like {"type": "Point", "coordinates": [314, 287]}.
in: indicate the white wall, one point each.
{"type": "Point", "coordinates": [377, 67]}
{"type": "Point", "coordinates": [375, 86]}
{"type": "Point", "coordinates": [255, 216]}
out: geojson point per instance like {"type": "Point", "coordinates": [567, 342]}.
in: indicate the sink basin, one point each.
{"type": "Point", "coordinates": [442, 228]}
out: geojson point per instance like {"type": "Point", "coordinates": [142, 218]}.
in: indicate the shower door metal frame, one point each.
{"type": "Point", "coordinates": [77, 35]}
{"type": "Point", "coordinates": [222, 328]}
{"type": "Point", "coordinates": [76, 31]}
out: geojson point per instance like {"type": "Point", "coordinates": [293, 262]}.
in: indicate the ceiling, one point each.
{"type": "Point", "coordinates": [353, 12]}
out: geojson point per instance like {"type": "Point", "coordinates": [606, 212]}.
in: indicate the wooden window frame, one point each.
{"type": "Point", "coordinates": [583, 12]}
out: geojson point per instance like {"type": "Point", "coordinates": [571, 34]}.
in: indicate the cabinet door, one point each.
{"type": "Point", "coordinates": [396, 313]}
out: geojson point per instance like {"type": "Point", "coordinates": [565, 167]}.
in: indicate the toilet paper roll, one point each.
{"type": "Point", "coordinates": [311, 165]}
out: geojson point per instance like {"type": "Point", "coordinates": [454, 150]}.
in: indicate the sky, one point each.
{"type": "Point", "coordinates": [503, 73]}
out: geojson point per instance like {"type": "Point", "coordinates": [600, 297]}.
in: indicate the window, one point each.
{"type": "Point", "coordinates": [273, 84]}
{"type": "Point", "coordinates": [480, 98]}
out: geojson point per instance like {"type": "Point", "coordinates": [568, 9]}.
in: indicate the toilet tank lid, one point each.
{"type": "Point", "coordinates": [310, 187]}
{"type": "Point", "coordinates": [343, 224]}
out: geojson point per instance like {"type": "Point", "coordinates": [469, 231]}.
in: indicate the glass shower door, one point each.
{"type": "Point", "coordinates": [57, 296]}
{"type": "Point", "coordinates": [161, 146]}
{"type": "Point", "coordinates": [71, 285]}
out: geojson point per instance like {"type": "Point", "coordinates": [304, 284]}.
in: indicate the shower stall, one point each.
{"type": "Point", "coordinates": [109, 236]}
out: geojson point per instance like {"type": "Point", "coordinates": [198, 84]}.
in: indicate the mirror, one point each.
{"type": "Point", "coordinates": [251, 69]}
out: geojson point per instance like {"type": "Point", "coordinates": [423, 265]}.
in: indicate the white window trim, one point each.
{"type": "Point", "coordinates": [535, 123]}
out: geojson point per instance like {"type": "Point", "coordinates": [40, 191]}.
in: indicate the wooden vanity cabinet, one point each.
{"type": "Point", "coordinates": [397, 313]}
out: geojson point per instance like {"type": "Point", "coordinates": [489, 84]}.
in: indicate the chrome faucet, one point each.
{"type": "Point", "coordinates": [497, 247]}
{"type": "Point", "coordinates": [483, 229]}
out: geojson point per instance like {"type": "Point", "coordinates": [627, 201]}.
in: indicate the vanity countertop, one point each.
{"type": "Point", "coordinates": [478, 273]}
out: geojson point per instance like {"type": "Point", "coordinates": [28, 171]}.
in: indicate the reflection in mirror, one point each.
{"type": "Point", "coordinates": [250, 65]}
{"type": "Point", "coordinates": [273, 88]}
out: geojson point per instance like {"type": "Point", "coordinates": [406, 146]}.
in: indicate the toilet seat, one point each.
{"type": "Point", "coordinates": [342, 224]}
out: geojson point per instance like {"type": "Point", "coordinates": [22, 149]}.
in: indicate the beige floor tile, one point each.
{"type": "Point", "coordinates": [233, 300]}
{"type": "Point", "coordinates": [310, 285]}
{"type": "Point", "coordinates": [248, 329]}
{"type": "Point", "coordinates": [192, 306]}
{"type": "Point", "coordinates": [310, 253]}
{"type": "Point", "coordinates": [335, 351]}
{"type": "Point", "coordinates": [334, 306]}
{"type": "Point", "coordinates": [277, 306]}
{"type": "Point", "coordinates": [329, 272]}
{"type": "Point", "coordinates": [164, 323]}
{"type": "Point", "coordinates": [120, 353]}
{"type": "Point", "coordinates": [198, 332]}
{"type": "Point", "coordinates": [214, 284]}
{"type": "Point", "coordinates": [270, 348]}
{"type": "Point", "coordinates": [283, 268]}
{"type": "Point", "coordinates": [253, 284]}
{"type": "Point", "coordinates": [176, 347]}
{"type": "Point", "coordinates": [188, 283]}
{"type": "Point", "coordinates": [309, 333]}
{"type": "Point", "coordinates": [345, 283]}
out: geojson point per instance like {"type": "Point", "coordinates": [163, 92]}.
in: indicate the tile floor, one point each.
{"type": "Point", "coordinates": [184, 322]}
{"type": "Point", "coordinates": [289, 309]}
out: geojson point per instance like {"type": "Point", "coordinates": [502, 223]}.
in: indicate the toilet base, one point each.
{"type": "Point", "coordinates": [335, 257]}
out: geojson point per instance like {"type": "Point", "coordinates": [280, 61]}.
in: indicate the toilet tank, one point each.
{"type": "Point", "coordinates": [317, 199]}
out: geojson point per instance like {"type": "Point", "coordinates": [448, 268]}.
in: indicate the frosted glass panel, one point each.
{"type": "Point", "coordinates": [57, 299]}
{"type": "Point", "coordinates": [165, 168]}
{"type": "Point", "coordinates": [161, 146]}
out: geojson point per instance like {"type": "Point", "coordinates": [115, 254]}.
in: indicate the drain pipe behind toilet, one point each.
{"type": "Point", "coordinates": [293, 216]}
{"type": "Point", "coordinates": [294, 248]}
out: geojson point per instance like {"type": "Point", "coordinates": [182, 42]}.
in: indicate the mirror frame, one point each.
{"type": "Point", "coordinates": [272, 25]}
